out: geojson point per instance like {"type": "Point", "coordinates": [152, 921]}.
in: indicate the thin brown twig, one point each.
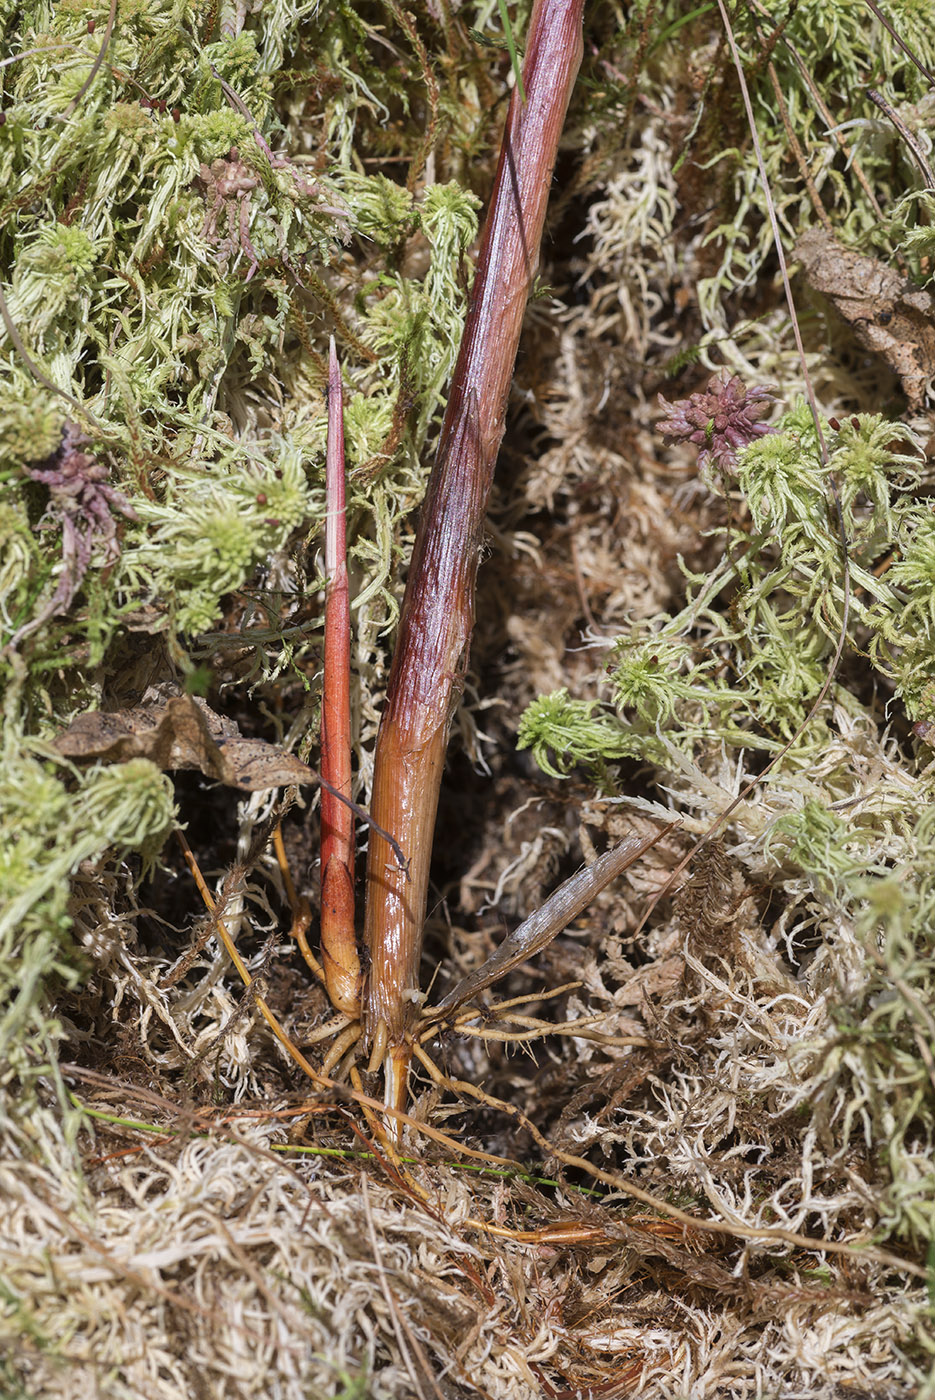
{"type": "Point", "coordinates": [540, 1029]}
{"type": "Point", "coordinates": [369, 1105]}
{"type": "Point", "coordinates": [499, 1007]}
{"type": "Point", "coordinates": [407, 23]}
{"type": "Point", "coordinates": [285, 871]}
{"type": "Point", "coordinates": [464, 1017]}
{"type": "Point", "coordinates": [796, 148]}
{"type": "Point", "coordinates": [299, 932]}
{"type": "Point", "coordinates": [300, 907]}
{"type": "Point", "coordinates": [850, 156]}
{"type": "Point", "coordinates": [243, 971]}
{"type": "Point", "coordinates": [372, 1120]}
{"type": "Point", "coordinates": [95, 66]}
{"type": "Point", "coordinates": [910, 53]}
{"type": "Point", "coordinates": [348, 1037]}
{"type": "Point", "coordinates": [908, 138]}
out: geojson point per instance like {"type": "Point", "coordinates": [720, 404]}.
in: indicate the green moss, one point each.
{"type": "Point", "coordinates": [47, 832]}
{"type": "Point", "coordinates": [562, 732]}
{"type": "Point", "coordinates": [191, 320]}
{"type": "Point", "coordinates": [19, 557]}
{"type": "Point", "coordinates": [189, 311]}
{"type": "Point", "coordinates": [205, 540]}
{"type": "Point", "coordinates": [383, 209]}
{"type": "Point", "coordinates": [818, 841]}
{"type": "Point", "coordinates": [31, 422]}
{"type": "Point", "coordinates": [843, 826]}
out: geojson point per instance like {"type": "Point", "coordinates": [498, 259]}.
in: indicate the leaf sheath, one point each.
{"type": "Point", "coordinates": [438, 609]}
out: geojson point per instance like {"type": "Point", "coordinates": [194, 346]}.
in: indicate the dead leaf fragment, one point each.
{"type": "Point", "coordinates": [181, 731]}
{"type": "Point", "coordinates": [890, 315]}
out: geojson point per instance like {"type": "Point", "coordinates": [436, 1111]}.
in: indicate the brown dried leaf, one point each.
{"type": "Point", "coordinates": [890, 315]}
{"type": "Point", "coordinates": [181, 731]}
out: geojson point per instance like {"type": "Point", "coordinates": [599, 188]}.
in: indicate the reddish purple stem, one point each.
{"type": "Point", "coordinates": [338, 939]}
{"type": "Point", "coordinates": [438, 609]}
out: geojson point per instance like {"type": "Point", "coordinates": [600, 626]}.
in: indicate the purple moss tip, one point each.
{"type": "Point", "coordinates": [721, 420]}
{"type": "Point", "coordinates": [83, 503]}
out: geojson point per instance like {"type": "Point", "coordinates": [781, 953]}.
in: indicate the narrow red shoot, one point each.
{"type": "Point", "coordinates": [338, 942]}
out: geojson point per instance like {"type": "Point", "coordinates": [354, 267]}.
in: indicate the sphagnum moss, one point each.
{"type": "Point", "coordinates": [182, 285]}
{"type": "Point", "coordinates": [829, 823]}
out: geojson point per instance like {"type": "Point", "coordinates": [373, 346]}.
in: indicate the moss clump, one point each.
{"type": "Point", "coordinates": [182, 229]}
{"type": "Point", "coordinates": [31, 423]}
{"type": "Point", "coordinates": [48, 832]}
{"type": "Point", "coordinates": [180, 236]}
{"type": "Point", "coordinates": [737, 671]}
{"type": "Point", "coordinates": [206, 538]}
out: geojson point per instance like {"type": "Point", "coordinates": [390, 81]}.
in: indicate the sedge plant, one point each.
{"type": "Point", "coordinates": [437, 617]}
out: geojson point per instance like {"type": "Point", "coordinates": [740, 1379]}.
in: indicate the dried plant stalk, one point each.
{"type": "Point", "coordinates": [548, 921]}
{"type": "Point", "coordinates": [438, 609]}
{"type": "Point", "coordinates": [338, 941]}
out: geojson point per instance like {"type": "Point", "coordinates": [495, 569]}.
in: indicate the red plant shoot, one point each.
{"type": "Point", "coordinates": [338, 941]}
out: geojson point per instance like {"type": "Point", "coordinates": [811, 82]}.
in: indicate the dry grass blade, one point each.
{"type": "Point", "coordinates": [563, 905]}
{"type": "Point", "coordinates": [243, 971]}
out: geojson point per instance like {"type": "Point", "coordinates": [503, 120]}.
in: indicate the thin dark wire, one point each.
{"type": "Point", "coordinates": [913, 58]}
{"type": "Point", "coordinates": [95, 66]}
{"type": "Point", "coordinates": [918, 154]}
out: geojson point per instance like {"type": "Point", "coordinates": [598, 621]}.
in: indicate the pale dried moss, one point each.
{"type": "Point", "coordinates": [220, 1269]}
